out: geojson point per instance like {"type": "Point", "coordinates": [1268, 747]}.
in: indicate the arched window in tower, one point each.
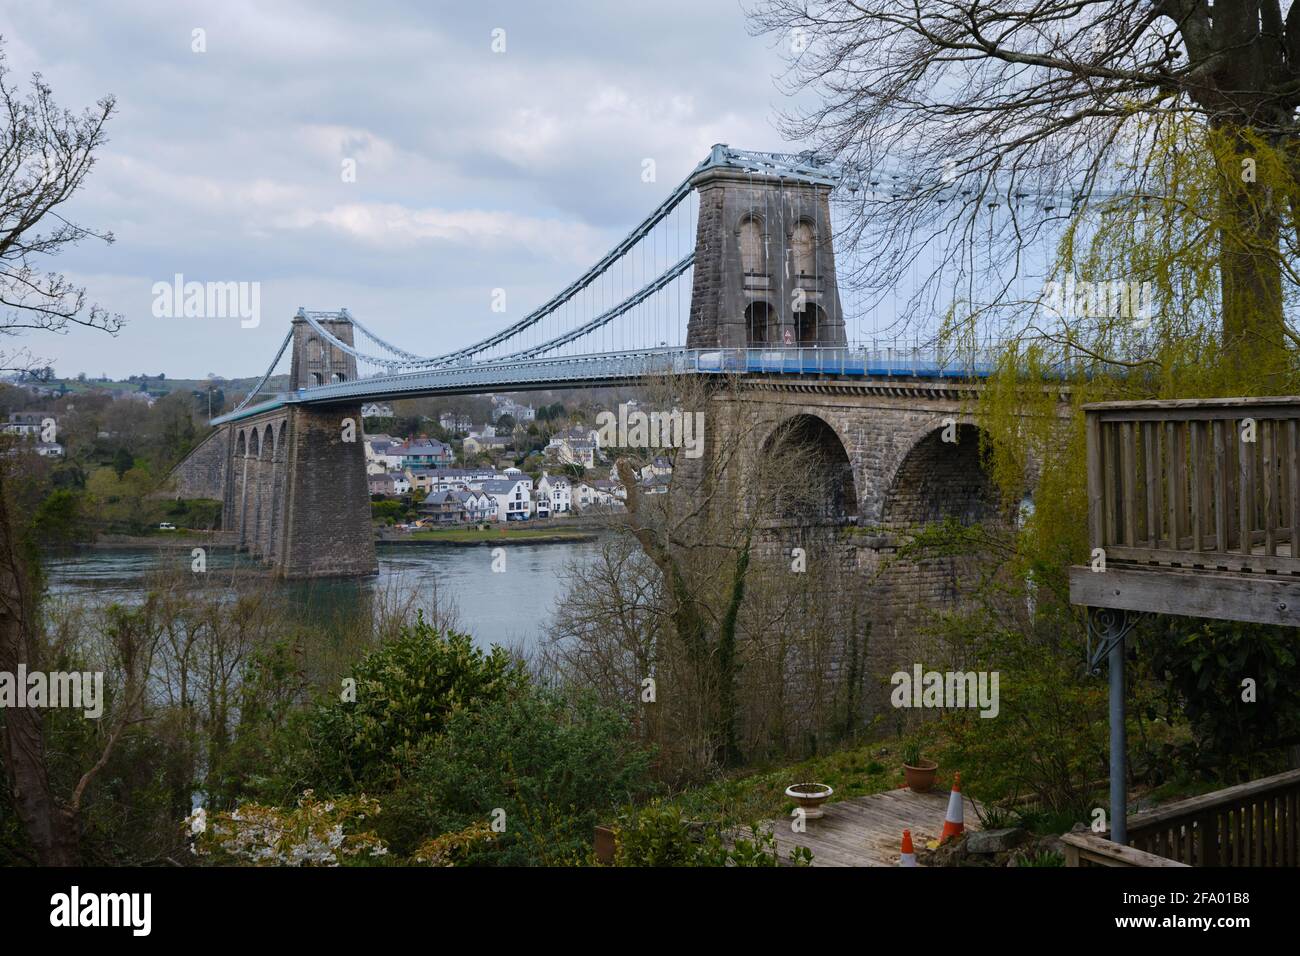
{"type": "Point", "coordinates": [803, 244]}
{"type": "Point", "coordinates": [758, 316]}
{"type": "Point", "coordinates": [753, 250]}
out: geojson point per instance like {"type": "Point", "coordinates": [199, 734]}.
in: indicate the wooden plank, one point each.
{"type": "Point", "coordinates": [1175, 475]}
{"type": "Point", "coordinates": [1269, 478]}
{"type": "Point", "coordinates": [1098, 849]}
{"type": "Point", "coordinates": [1293, 473]}
{"type": "Point", "coordinates": [1211, 558]}
{"type": "Point", "coordinates": [1198, 473]}
{"type": "Point", "coordinates": [1246, 488]}
{"type": "Point", "coordinates": [1152, 483]}
{"type": "Point", "coordinates": [1128, 481]}
{"type": "Point", "coordinates": [1221, 499]}
{"type": "Point", "coordinates": [1096, 484]}
{"type": "Point", "coordinates": [1263, 599]}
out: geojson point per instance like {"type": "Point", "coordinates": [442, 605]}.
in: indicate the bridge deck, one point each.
{"type": "Point", "coordinates": [868, 831]}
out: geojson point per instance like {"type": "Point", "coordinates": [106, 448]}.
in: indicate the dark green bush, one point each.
{"type": "Point", "coordinates": [556, 768]}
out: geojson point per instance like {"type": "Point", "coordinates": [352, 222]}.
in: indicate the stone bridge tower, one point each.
{"type": "Point", "coordinates": [317, 361]}
{"type": "Point", "coordinates": [764, 261]}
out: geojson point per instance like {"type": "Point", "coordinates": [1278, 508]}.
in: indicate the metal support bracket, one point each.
{"type": "Point", "coordinates": [1108, 626]}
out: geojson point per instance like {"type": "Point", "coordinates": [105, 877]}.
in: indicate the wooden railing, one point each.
{"type": "Point", "coordinates": [1091, 849]}
{"type": "Point", "coordinates": [1252, 824]}
{"type": "Point", "coordinates": [1208, 483]}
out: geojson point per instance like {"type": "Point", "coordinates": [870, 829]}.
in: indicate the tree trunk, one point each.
{"type": "Point", "coordinates": [1250, 273]}
{"type": "Point", "coordinates": [50, 828]}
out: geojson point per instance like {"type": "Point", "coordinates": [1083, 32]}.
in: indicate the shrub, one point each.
{"type": "Point", "coordinates": [658, 835]}
{"type": "Point", "coordinates": [406, 691]}
{"type": "Point", "coordinates": [551, 765]}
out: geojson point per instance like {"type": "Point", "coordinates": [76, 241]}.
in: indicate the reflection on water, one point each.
{"type": "Point", "coordinates": [511, 608]}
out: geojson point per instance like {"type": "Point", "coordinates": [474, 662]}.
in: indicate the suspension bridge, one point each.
{"type": "Point", "coordinates": [733, 276]}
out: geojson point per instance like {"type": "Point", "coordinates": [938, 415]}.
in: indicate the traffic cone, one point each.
{"type": "Point", "coordinates": [908, 856]}
{"type": "Point", "coordinates": [953, 824]}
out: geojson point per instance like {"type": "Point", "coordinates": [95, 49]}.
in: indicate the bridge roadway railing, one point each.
{"type": "Point", "coordinates": [627, 366]}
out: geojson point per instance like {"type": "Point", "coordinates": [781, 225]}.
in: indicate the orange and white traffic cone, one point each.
{"type": "Point", "coordinates": [953, 824]}
{"type": "Point", "coordinates": [908, 856]}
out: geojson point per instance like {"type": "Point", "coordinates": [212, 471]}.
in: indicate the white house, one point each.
{"type": "Point", "coordinates": [382, 454]}
{"type": "Point", "coordinates": [557, 490]}
{"type": "Point", "coordinates": [512, 496]}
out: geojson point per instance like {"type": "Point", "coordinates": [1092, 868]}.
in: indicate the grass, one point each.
{"type": "Point", "coordinates": [760, 795]}
{"type": "Point", "coordinates": [474, 535]}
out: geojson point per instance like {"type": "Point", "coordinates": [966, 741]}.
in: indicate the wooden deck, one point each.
{"type": "Point", "coordinates": [868, 831]}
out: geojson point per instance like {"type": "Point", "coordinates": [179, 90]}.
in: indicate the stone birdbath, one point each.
{"type": "Point", "coordinates": [810, 797]}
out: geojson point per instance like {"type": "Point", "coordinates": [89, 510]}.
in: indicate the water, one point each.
{"type": "Point", "coordinates": [512, 608]}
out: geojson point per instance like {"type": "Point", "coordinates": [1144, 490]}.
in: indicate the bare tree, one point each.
{"type": "Point", "coordinates": [46, 153]}
{"type": "Point", "coordinates": [979, 103]}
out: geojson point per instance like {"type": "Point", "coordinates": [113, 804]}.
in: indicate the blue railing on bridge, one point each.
{"type": "Point", "coordinates": [621, 367]}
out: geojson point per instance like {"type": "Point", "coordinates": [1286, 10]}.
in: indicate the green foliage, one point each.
{"type": "Point", "coordinates": [658, 835]}
{"type": "Point", "coordinates": [551, 765]}
{"type": "Point", "coordinates": [406, 691]}
{"type": "Point", "coordinates": [1204, 664]}
{"type": "Point", "coordinates": [1043, 858]}
{"type": "Point", "coordinates": [1049, 739]}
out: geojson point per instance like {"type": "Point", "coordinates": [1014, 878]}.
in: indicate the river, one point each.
{"type": "Point", "coordinates": [511, 607]}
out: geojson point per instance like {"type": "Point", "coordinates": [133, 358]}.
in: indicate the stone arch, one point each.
{"type": "Point", "coordinates": [337, 377]}
{"type": "Point", "coordinates": [279, 441]}
{"type": "Point", "coordinates": [821, 485]}
{"type": "Point", "coordinates": [254, 443]}
{"type": "Point", "coordinates": [316, 379]}
{"type": "Point", "coordinates": [267, 449]}
{"type": "Point", "coordinates": [241, 446]}
{"type": "Point", "coordinates": [760, 324]}
{"type": "Point", "coordinates": [809, 324]}
{"type": "Point", "coordinates": [939, 479]}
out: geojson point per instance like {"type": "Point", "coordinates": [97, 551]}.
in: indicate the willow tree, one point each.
{"type": "Point", "coordinates": [970, 103]}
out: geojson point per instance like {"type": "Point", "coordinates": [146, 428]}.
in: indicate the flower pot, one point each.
{"type": "Point", "coordinates": [810, 797]}
{"type": "Point", "coordinates": [920, 778]}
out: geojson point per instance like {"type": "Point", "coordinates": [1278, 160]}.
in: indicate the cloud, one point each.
{"type": "Point", "coordinates": [474, 170]}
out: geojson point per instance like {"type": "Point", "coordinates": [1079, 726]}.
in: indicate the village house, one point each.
{"type": "Point", "coordinates": [376, 410]}
{"type": "Point", "coordinates": [382, 455]}
{"type": "Point", "coordinates": [512, 496]}
{"type": "Point", "coordinates": [457, 507]}
{"type": "Point", "coordinates": [389, 485]}
{"type": "Point", "coordinates": [28, 424]}
{"type": "Point", "coordinates": [600, 493]}
{"type": "Point", "coordinates": [557, 492]}
{"type": "Point", "coordinates": [455, 422]}
{"type": "Point", "coordinates": [445, 479]}
{"type": "Point", "coordinates": [485, 444]}
{"type": "Point", "coordinates": [425, 452]}
{"type": "Point", "coordinates": [506, 406]}
{"type": "Point", "coordinates": [574, 446]}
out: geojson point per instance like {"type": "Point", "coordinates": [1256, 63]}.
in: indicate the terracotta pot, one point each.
{"type": "Point", "coordinates": [920, 779]}
{"type": "Point", "coordinates": [810, 796]}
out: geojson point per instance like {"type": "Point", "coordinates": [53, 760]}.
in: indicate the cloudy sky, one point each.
{"type": "Point", "coordinates": [474, 169]}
